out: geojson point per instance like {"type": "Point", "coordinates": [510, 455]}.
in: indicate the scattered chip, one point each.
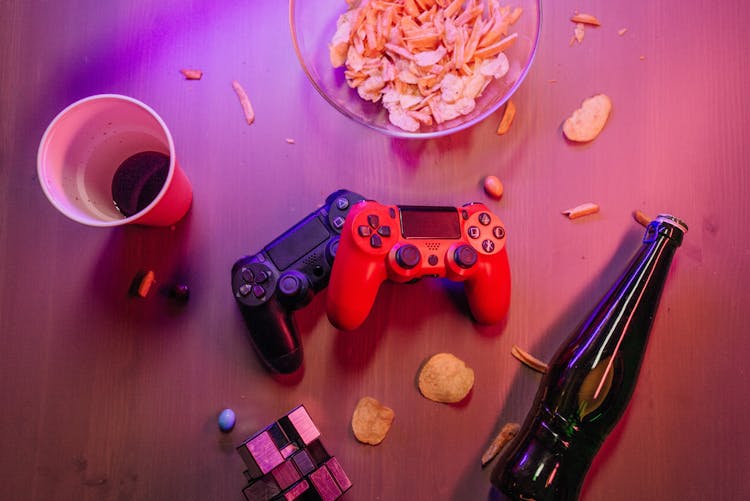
{"type": "Point", "coordinates": [529, 360]}
{"type": "Point", "coordinates": [585, 19]}
{"type": "Point", "coordinates": [587, 122]}
{"type": "Point", "coordinates": [445, 378]}
{"type": "Point", "coordinates": [289, 140]}
{"type": "Point", "coordinates": [581, 210]}
{"type": "Point", "coordinates": [371, 421]}
{"type": "Point", "coordinates": [508, 116]}
{"type": "Point", "coordinates": [507, 433]}
{"type": "Point", "coordinates": [641, 218]}
{"type": "Point", "coordinates": [142, 283]}
{"type": "Point", "coordinates": [247, 107]}
{"type": "Point", "coordinates": [493, 187]}
{"type": "Point", "coordinates": [622, 31]}
{"type": "Point", "coordinates": [191, 74]}
{"type": "Point", "coordinates": [578, 34]}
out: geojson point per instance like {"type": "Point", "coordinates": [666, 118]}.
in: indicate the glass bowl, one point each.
{"type": "Point", "coordinates": [313, 25]}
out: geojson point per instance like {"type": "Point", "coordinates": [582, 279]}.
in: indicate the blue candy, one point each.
{"type": "Point", "coordinates": [227, 420]}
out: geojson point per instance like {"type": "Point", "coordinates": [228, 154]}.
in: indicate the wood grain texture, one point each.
{"type": "Point", "coordinates": [105, 396]}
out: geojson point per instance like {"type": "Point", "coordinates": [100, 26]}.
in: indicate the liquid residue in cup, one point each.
{"type": "Point", "coordinates": [138, 180]}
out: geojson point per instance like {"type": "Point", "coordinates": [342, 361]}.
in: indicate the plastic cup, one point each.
{"type": "Point", "coordinates": [85, 144]}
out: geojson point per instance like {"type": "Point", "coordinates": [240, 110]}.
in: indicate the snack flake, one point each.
{"type": "Point", "coordinates": [371, 421]}
{"type": "Point", "coordinates": [585, 123]}
{"type": "Point", "coordinates": [445, 378]}
{"type": "Point", "coordinates": [425, 61]}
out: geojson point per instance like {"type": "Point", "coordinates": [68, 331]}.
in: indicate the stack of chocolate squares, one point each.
{"type": "Point", "coordinates": [287, 461]}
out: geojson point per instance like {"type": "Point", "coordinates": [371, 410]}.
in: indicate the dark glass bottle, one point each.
{"type": "Point", "coordinates": [590, 379]}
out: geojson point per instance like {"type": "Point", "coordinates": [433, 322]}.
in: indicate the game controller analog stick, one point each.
{"type": "Point", "coordinates": [403, 243]}
{"type": "Point", "coordinates": [284, 276]}
{"type": "Point", "coordinates": [407, 256]}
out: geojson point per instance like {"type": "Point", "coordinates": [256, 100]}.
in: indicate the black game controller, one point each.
{"type": "Point", "coordinates": [285, 276]}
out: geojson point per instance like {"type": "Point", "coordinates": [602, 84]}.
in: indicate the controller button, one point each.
{"type": "Point", "coordinates": [484, 218]}
{"type": "Point", "coordinates": [318, 270]}
{"type": "Point", "coordinates": [464, 214]}
{"type": "Point", "coordinates": [245, 289]}
{"type": "Point", "coordinates": [342, 203]}
{"type": "Point", "coordinates": [258, 291]}
{"type": "Point", "coordinates": [261, 276]}
{"type": "Point", "coordinates": [498, 231]}
{"type": "Point", "coordinates": [247, 275]}
{"type": "Point", "coordinates": [376, 241]}
{"type": "Point", "coordinates": [384, 231]}
{"type": "Point", "coordinates": [289, 285]}
{"type": "Point", "coordinates": [392, 212]}
{"type": "Point", "coordinates": [373, 220]}
{"type": "Point", "coordinates": [474, 232]}
{"type": "Point", "coordinates": [488, 245]}
{"type": "Point", "coordinates": [432, 260]}
{"type": "Point", "coordinates": [408, 256]}
{"type": "Point", "coordinates": [364, 231]}
{"type": "Point", "coordinates": [465, 256]}
{"type": "Point", "coordinates": [338, 222]}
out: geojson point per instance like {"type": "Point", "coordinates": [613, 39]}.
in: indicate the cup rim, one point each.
{"type": "Point", "coordinates": [44, 143]}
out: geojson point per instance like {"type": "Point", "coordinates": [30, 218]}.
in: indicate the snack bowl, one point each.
{"type": "Point", "coordinates": [313, 24]}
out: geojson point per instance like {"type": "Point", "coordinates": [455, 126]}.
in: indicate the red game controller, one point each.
{"type": "Point", "coordinates": [402, 243]}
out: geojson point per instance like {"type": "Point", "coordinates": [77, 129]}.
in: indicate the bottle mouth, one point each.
{"type": "Point", "coordinates": [674, 221]}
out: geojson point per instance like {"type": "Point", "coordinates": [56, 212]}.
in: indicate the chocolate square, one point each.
{"type": "Point", "coordinates": [298, 425]}
{"type": "Point", "coordinates": [324, 484]}
{"type": "Point", "coordinates": [338, 474]}
{"type": "Point", "coordinates": [304, 462]}
{"type": "Point", "coordinates": [262, 452]}
{"type": "Point", "coordinates": [285, 474]}
{"type": "Point", "coordinates": [261, 490]}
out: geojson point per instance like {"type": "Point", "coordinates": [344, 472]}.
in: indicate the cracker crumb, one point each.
{"type": "Point", "coordinates": [581, 210]}
{"type": "Point", "coordinates": [191, 74]}
{"type": "Point", "coordinates": [247, 107]}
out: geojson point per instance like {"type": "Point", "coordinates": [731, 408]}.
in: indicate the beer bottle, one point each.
{"type": "Point", "coordinates": [590, 379]}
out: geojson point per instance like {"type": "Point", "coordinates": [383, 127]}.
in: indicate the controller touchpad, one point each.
{"type": "Point", "coordinates": [430, 222]}
{"type": "Point", "coordinates": [298, 242]}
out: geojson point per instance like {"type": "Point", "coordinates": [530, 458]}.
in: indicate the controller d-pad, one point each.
{"type": "Point", "coordinates": [488, 245]}
{"type": "Point", "coordinates": [364, 230]}
{"type": "Point", "coordinates": [474, 232]}
{"type": "Point", "coordinates": [376, 241]}
{"type": "Point", "coordinates": [384, 231]}
{"type": "Point", "coordinates": [247, 275]}
{"type": "Point", "coordinates": [245, 289]}
{"type": "Point", "coordinates": [258, 291]}
{"type": "Point", "coordinates": [484, 218]}
{"type": "Point", "coordinates": [260, 277]}
{"type": "Point", "coordinates": [373, 220]}
{"type": "Point", "coordinates": [498, 232]}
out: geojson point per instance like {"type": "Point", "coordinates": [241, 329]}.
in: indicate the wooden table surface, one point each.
{"type": "Point", "coordinates": [106, 396]}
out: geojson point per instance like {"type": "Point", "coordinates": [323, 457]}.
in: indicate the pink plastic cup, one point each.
{"type": "Point", "coordinates": [86, 143]}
